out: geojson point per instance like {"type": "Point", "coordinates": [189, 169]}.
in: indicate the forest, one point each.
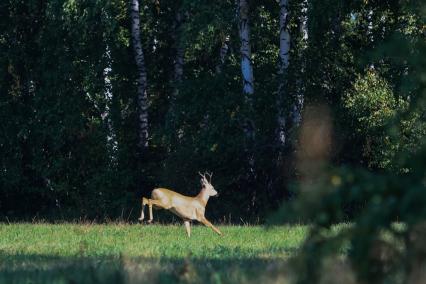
{"type": "Point", "coordinates": [101, 101]}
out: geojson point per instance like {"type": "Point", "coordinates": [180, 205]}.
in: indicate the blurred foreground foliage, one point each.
{"type": "Point", "coordinates": [385, 198]}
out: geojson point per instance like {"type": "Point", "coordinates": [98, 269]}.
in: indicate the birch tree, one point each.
{"type": "Point", "coordinates": [297, 106]}
{"type": "Point", "coordinates": [222, 53]}
{"type": "Point", "coordinates": [246, 63]}
{"type": "Point", "coordinates": [304, 22]}
{"type": "Point", "coordinates": [142, 98]}
{"type": "Point", "coordinates": [283, 62]}
{"type": "Point", "coordinates": [112, 142]}
{"type": "Point", "coordinates": [291, 120]}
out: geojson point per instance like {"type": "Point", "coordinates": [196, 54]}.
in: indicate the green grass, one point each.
{"type": "Point", "coordinates": [123, 253]}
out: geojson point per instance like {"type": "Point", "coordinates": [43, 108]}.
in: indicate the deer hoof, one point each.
{"type": "Point", "coordinates": [150, 221]}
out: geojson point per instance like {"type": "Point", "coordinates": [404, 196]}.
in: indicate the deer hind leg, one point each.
{"type": "Point", "coordinates": [187, 227]}
{"type": "Point", "coordinates": [157, 204]}
{"type": "Point", "coordinates": [144, 202]}
{"type": "Point", "coordinates": [208, 224]}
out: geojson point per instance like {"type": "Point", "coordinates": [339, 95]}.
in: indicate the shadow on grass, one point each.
{"type": "Point", "coordinates": [24, 268]}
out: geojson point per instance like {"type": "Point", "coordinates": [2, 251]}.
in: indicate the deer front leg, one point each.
{"type": "Point", "coordinates": [208, 224]}
{"type": "Point", "coordinates": [151, 217]}
{"type": "Point", "coordinates": [187, 227]}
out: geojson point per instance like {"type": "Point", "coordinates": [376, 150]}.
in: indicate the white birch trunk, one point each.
{"type": "Point", "coordinates": [370, 26]}
{"type": "Point", "coordinates": [370, 34]}
{"type": "Point", "coordinates": [222, 54]}
{"type": "Point", "coordinates": [246, 64]}
{"type": "Point", "coordinates": [283, 62]}
{"type": "Point", "coordinates": [112, 143]}
{"type": "Point", "coordinates": [142, 97]}
{"type": "Point", "coordinates": [304, 21]}
{"type": "Point", "coordinates": [297, 107]}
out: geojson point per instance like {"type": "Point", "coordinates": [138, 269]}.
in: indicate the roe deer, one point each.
{"type": "Point", "coordinates": [186, 207]}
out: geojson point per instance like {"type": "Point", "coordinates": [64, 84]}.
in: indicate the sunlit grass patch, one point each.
{"type": "Point", "coordinates": [123, 253]}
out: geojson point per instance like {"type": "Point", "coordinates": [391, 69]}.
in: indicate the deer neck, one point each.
{"type": "Point", "coordinates": [203, 197]}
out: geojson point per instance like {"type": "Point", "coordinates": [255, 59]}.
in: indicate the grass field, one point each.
{"type": "Point", "coordinates": [124, 253]}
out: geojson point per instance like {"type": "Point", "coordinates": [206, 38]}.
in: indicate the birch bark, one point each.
{"type": "Point", "coordinates": [370, 25]}
{"type": "Point", "coordinates": [112, 143]}
{"type": "Point", "coordinates": [141, 80]}
{"type": "Point", "coordinates": [246, 65]}
{"type": "Point", "coordinates": [297, 107]}
{"type": "Point", "coordinates": [222, 54]}
{"type": "Point", "coordinates": [283, 62]}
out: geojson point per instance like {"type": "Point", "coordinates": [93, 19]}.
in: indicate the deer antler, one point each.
{"type": "Point", "coordinates": [203, 178]}
{"type": "Point", "coordinates": [210, 176]}
{"type": "Point", "coordinates": [206, 174]}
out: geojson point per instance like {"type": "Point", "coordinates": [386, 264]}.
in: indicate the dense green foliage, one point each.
{"type": "Point", "coordinates": [122, 253]}
{"type": "Point", "coordinates": [374, 106]}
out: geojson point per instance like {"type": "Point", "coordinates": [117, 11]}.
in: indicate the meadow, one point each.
{"type": "Point", "coordinates": [134, 253]}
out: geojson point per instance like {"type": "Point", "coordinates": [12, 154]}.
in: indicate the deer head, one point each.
{"type": "Point", "coordinates": [206, 184]}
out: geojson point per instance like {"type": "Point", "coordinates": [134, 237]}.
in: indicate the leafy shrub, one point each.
{"type": "Point", "coordinates": [376, 110]}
